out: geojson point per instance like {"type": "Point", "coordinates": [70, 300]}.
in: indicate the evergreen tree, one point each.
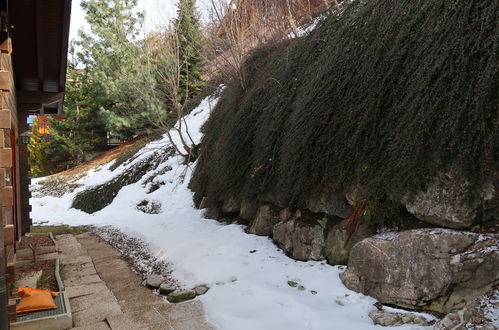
{"type": "Point", "coordinates": [110, 55]}
{"type": "Point", "coordinates": [37, 157]}
{"type": "Point", "coordinates": [190, 47]}
{"type": "Point", "coordinates": [82, 129]}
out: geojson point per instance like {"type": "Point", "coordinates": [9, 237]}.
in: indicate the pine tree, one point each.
{"type": "Point", "coordinates": [82, 128]}
{"type": "Point", "coordinates": [110, 54]}
{"type": "Point", "coordinates": [37, 157]}
{"type": "Point", "coordinates": [191, 48]}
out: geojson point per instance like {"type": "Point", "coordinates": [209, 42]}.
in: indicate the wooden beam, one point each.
{"type": "Point", "coordinates": [5, 80]}
{"type": "Point", "coordinates": [2, 138]}
{"type": "Point", "coordinates": [10, 256]}
{"type": "Point", "coordinates": [39, 97]}
{"type": "Point", "coordinates": [5, 157]}
{"type": "Point", "coordinates": [5, 120]}
{"type": "Point", "coordinates": [8, 232]}
{"type": "Point", "coordinates": [7, 196]}
{"type": "Point", "coordinates": [5, 43]}
{"type": "Point", "coordinates": [39, 42]}
{"type": "Point", "coordinates": [3, 175]}
{"type": "Point", "coordinates": [64, 45]}
{"type": "Point", "coordinates": [7, 215]}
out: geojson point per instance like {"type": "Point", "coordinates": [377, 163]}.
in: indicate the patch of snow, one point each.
{"type": "Point", "coordinates": [248, 290]}
{"type": "Point", "coordinates": [427, 317]}
{"type": "Point", "coordinates": [307, 28]}
{"type": "Point", "coordinates": [388, 236]}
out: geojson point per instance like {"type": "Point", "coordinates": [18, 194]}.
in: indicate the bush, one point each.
{"type": "Point", "coordinates": [96, 198]}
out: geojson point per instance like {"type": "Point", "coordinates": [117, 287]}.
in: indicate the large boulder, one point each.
{"type": "Point", "coordinates": [337, 246]}
{"type": "Point", "coordinates": [445, 202]}
{"type": "Point", "coordinates": [265, 219]}
{"type": "Point", "coordinates": [308, 240]}
{"type": "Point", "coordinates": [431, 269]}
{"type": "Point", "coordinates": [302, 237]}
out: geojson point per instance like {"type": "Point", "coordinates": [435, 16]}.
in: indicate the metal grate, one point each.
{"type": "Point", "coordinates": [61, 309]}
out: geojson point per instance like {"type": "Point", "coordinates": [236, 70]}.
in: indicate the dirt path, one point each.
{"type": "Point", "coordinates": [105, 294]}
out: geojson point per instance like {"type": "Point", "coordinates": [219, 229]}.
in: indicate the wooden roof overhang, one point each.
{"type": "Point", "coordinates": [40, 32]}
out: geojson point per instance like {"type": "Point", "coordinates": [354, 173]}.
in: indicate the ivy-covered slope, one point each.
{"type": "Point", "coordinates": [387, 95]}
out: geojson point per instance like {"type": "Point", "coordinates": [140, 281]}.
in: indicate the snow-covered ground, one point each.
{"type": "Point", "coordinates": [249, 290]}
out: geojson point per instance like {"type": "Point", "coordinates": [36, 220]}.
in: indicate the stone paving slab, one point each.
{"type": "Point", "coordinates": [89, 279]}
{"type": "Point", "coordinates": [71, 259]}
{"type": "Point", "coordinates": [90, 299]}
{"type": "Point", "coordinates": [105, 294]}
{"type": "Point", "coordinates": [85, 289]}
{"type": "Point", "coordinates": [95, 313]}
{"type": "Point", "coordinates": [186, 310]}
{"type": "Point", "coordinates": [95, 326]}
{"type": "Point", "coordinates": [142, 320]}
{"type": "Point", "coordinates": [86, 302]}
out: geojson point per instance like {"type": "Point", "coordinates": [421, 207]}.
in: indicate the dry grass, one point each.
{"type": "Point", "coordinates": [102, 158]}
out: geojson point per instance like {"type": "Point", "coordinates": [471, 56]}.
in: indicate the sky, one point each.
{"type": "Point", "coordinates": [157, 12]}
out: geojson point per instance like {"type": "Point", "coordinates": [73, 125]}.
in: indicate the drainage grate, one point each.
{"type": "Point", "coordinates": [61, 309]}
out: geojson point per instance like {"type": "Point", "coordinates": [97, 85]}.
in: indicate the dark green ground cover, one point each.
{"type": "Point", "coordinates": [98, 197]}
{"type": "Point", "coordinates": [387, 95]}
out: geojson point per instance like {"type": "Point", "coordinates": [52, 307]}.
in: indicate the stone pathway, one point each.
{"type": "Point", "coordinates": [105, 294]}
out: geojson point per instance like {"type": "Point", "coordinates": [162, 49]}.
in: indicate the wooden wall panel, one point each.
{"type": "Point", "coordinates": [7, 215]}
{"type": "Point", "coordinates": [5, 82]}
{"type": "Point", "coordinates": [8, 232]}
{"type": "Point", "coordinates": [5, 157]}
{"type": "Point", "coordinates": [7, 196]}
{"type": "Point", "coordinates": [5, 119]}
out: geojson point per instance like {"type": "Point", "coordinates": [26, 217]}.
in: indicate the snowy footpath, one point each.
{"type": "Point", "coordinates": [248, 275]}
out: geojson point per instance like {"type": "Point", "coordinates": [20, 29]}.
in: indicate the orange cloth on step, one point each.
{"type": "Point", "coordinates": [36, 302]}
{"type": "Point", "coordinates": [24, 292]}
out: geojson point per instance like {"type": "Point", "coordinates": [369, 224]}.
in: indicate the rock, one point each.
{"type": "Point", "coordinates": [313, 292]}
{"type": "Point", "coordinates": [302, 237]}
{"type": "Point", "coordinates": [480, 313]}
{"type": "Point", "coordinates": [335, 249]}
{"type": "Point", "coordinates": [445, 202]}
{"type": "Point", "coordinates": [292, 284]}
{"type": "Point", "coordinates": [282, 235]}
{"type": "Point", "coordinates": [165, 289]}
{"type": "Point", "coordinates": [308, 241]}
{"type": "Point", "coordinates": [301, 288]}
{"type": "Point", "coordinates": [263, 222]}
{"type": "Point", "coordinates": [201, 289]}
{"type": "Point", "coordinates": [231, 206]}
{"type": "Point", "coordinates": [431, 269]}
{"type": "Point", "coordinates": [204, 203]}
{"type": "Point", "coordinates": [154, 281]}
{"type": "Point", "coordinates": [176, 297]}
{"type": "Point", "coordinates": [248, 209]}
{"type": "Point", "coordinates": [285, 214]}
{"type": "Point", "coordinates": [329, 202]}
{"type": "Point", "coordinates": [392, 319]}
